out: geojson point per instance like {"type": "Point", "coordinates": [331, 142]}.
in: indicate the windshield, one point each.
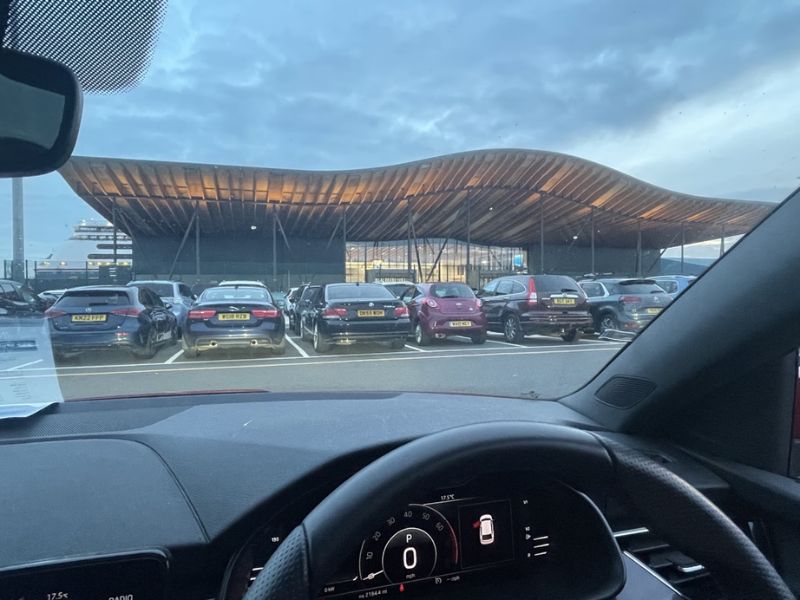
{"type": "Point", "coordinates": [231, 294]}
{"type": "Point", "coordinates": [358, 292]}
{"type": "Point", "coordinates": [451, 290]}
{"type": "Point", "coordinates": [93, 298]}
{"type": "Point", "coordinates": [383, 159]}
{"type": "Point", "coordinates": [165, 290]}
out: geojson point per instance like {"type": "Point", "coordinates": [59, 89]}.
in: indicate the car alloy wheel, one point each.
{"type": "Point", "coordinates": [320, 345]}
{"type": "Point", "coordinates": [608, 322]}
{"type": "Point", "coordinates": [420, 337]}
{"type": "Point", "coordinates": [512, 328]}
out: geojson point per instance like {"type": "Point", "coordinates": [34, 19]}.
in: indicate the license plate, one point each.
{"type": "Point", "coordinates": [370, 313]}
{"type": "Point", "coordinates": [564, 301]}
{"type": "Point", "coordinates": [460, 323]}
{"type": "Point", "coordinates": [653, 311]}
{"type": "Point", "coordinates": [234, 317]}
{"type": "Point", "coordinates": [88, 318]}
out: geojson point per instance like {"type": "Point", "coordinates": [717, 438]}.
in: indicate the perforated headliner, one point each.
{"type": "Point", "coordinates": [106, 43]}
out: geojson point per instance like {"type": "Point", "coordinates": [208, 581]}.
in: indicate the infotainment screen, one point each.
{"type": "Point", "coordinates": [140, 576]}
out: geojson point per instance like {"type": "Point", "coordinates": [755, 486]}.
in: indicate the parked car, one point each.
{"type": "Point", "coordinates": [131, 318]}
{"type": "Point", "coordinates": [304, 303]}
{"type": "Point", "coordinates": [674, 284]}
{"type": "Point", "coordinates": [291, 303]}
{"type": "Point", "coordinates": [347, 313]}
{"type": "Point", "coordinates": [241, 283]}
{"type": "Point", "coordinates": [234, 317]}
{"type": "Point", "coordinates": [438, 310]}
{"type": "Point", "coordinates": [398, 288]}
{"type": "Point", "coordinates": [624, 304]}
{"type": "Point", "coordinates": [17, 300]}
{"type": "Point", "coordinates": [49, 297]}
{"type": "Point", "coordinates": [520, 305]}
{"type": "Point", "coordinates": [280, 299]}
{"type": "Point", "coordinates": [175, 293]}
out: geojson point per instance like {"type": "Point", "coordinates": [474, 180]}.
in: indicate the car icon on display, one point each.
{"type": "Point", "coordinates": [486, 530]}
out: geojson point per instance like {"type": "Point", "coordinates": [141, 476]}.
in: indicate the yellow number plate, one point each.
{"type": "Point", "coordinates": [234, 316]}
{"type": "Point", "coordinates": [653, 311]}
{"type": "Point", "coordinates": [460, 323]}
{"type": "Point", "coordinates": [370, 313]}
{"type": "Point", "coordinates": [564, 301]}
{"type": "Point", "coordinates": [88, 318]}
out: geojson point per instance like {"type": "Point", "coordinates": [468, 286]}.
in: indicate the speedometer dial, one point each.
{"type": "Point", "coordinates": [413, 545]}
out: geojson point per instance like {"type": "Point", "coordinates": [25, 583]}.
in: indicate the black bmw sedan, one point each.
{"type": "Point", "coordinates": [348, 313]}
{"type": "Point", "coordinates": [234, 317]}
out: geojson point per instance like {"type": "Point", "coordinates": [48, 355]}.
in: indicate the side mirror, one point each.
{"type": "Point", "coordinates": [194, 297]}
{"type": "Point", "coordinates": [168, 305]}
{"type": "Point", "coordinates": [40, 114]}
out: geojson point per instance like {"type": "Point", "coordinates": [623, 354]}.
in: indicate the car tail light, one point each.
{"type": "Point", "coordinates": [264, 313]}
{"type": "Point", "coordinates": [630, 299]}
{"type": "Point", "coordinates": [431, 302]}
{"type": "Point", "coordinates": [401, 311]}
{"type": "Point", "coordinates": [130, 311]}
{"type": "Point", "coordinates": [334, 313]}
{"type": "Point", "coordinates": [53, 314]}
{"type": "Point", "coordinates": [478, 302]}
{"type": "Point", "coordinates": [202, 313]}
{"type": "Point", "coordinates": [533, 297]}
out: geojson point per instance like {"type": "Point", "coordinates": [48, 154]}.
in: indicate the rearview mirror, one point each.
{"type": "Point", "coordinates": [40, 114]}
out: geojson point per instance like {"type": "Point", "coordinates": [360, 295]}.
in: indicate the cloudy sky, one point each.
{"type": "Point", "coordinates": [700, 97]}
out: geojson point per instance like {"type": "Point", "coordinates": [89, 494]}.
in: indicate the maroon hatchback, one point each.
{"type": "Point", "coordinates": [438, 310]}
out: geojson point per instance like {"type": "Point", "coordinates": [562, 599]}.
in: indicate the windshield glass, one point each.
{"type": "Point", "coordinates": [165, 290]}
{"type": "Point", "coordinates": [517, 153]}
{"type": "Point", "coordinates": [358, 292]}
{"type": "Point", "coordinates": [226, 294]}
{"type": "Point", "coordinates": [451, 290]}
{"type": "Point", "coordinates": [93, 298]}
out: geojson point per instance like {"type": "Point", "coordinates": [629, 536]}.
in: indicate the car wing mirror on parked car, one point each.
{"type": "Point", "coordinates": [41, 105]}
{"type": "Point", "coordinates": [168, 305]}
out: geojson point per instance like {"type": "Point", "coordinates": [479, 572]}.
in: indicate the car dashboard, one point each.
{"type": "Point", "coordinates": [188, 496]}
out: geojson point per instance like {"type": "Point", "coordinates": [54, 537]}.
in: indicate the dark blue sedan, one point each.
{"type": "Point", "coordinates": [98, 317]}
{"type": "Point", "coordinates": [234, 317]}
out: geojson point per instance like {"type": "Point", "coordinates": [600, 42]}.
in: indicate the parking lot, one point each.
{"type": "Point", "coordinates": [539, 367]}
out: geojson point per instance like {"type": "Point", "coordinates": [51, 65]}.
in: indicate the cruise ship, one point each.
{"type": "Point", "coordinates": [90, 247]}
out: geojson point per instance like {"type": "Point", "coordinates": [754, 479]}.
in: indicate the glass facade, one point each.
{"type": "Point", "coordinates": [443, 259]}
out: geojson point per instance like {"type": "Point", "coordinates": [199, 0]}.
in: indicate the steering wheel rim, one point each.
{"type": "Point", "coordinates": [311, 553]}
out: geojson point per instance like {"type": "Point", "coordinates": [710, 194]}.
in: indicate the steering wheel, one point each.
{"type": "Point", "coordinates": [312, 552]}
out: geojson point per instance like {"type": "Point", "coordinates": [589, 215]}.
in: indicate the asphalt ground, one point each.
{"type": "Point", "coordinates": [539, 367]}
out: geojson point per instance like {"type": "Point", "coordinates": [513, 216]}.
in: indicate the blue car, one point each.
{"type": "Point", "coordinates": [97, 317]}
{"type": "Point", "coordinates": [175, 293]}
{"type": "Point", "coordinates": [234, 317]}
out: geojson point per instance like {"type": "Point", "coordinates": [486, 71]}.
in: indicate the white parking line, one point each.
{"type": "Point", "coordinates": [172, 358]}
{"type": "Point", "coordinates": [296, 363]}
{"type": "Point", "coordinates": [27, 364]}
{"type": "Point", "coordinates": [506, 344]}
{"type": "Point", "coordinates": [414, 348]}
{"type": "Point", "coordinates": [302, 352]}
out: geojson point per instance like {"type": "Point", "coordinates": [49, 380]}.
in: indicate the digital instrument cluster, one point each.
{"type": "Point", "coordinates": [433, 545]}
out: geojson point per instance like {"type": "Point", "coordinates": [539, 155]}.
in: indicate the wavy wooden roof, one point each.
{"type": "Point", "coordinates": [506, 191]}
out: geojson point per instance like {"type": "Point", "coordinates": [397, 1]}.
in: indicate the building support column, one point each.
{"type": "Point", "coordinates": [722, 241]}
{"type": "Point", "coordinates": [18, 231]}
{"type": "Point", "coordinates": [197, 238]}
{"type": "Point", "coordinates": [469, 241]}
{"type": "Point", "coordinates": [683, 243]}
{"type": "Point", "coordinates": [114, 226]}
{"type": "Point", "coordinates": [274, 247]}
{"type": "Point", "coordinates": [408, 228]}
{"type": "Point", "coordinates": [186, 233]}
{"type": "Point", "coordinates": [593, 271]}
{"type": "Point", "coordinates": [638, 248]}
{"type": "Point", "coordinates": [541, 234]}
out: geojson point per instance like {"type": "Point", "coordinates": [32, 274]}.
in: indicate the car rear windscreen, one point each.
{"type": "Point", "coordinates": [556, 283]}
{"type": "Point", "coordinates": [451, 290]}
{"type": "Point", "coordinates": [358, 292]}
{"type": "Point", "coordinates": [164, 290]}
{"type": "Point", "coordinates": [85, 298]}
{"type": "Point", "coordinates": [228, 294]}
{"type": "Point", "coordinates": [636, 287]}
